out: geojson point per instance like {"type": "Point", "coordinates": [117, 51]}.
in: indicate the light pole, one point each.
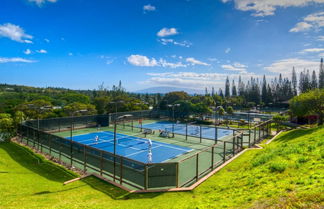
{"type": "Point", "coordinates": [173, 107]}
{"type": "Point", "coordinates": [116, 103]}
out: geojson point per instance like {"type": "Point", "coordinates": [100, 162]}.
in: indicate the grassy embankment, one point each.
{"type": "Point", "coordinates": [289, 172]}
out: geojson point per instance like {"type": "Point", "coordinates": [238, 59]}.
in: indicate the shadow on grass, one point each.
{"type": "Point", "coordinates": [296, 133]}
{"type": "Point", "coordinates": [36, 163]}
{"type": "Point", "coordinates": [39, 165]}
{"type": "Point", "coordinates": [113, 191]}
{"type": "Point", "coordinates": [53, 192]}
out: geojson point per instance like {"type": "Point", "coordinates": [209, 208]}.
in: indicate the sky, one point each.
{"type": "Point", "coordinates": [80, 44]}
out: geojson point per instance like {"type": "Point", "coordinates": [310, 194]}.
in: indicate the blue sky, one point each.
{"type": "Point", "coordinates": [79, 44]}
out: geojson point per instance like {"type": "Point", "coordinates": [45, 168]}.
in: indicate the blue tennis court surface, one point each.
{"type": "Point", "coordinates": [193, 130]}
{"type": "Point", "coordinates": [132, 147]}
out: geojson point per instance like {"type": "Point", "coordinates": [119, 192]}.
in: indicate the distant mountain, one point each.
{"type": "Point", "coordinates": [167, 89]}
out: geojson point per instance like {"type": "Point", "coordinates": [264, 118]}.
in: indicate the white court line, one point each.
{"type": "Point", "coordinates": [141, 151]}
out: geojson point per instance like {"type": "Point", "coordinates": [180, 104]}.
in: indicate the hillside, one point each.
{"type": "Point", "coordinates": [288, 173]}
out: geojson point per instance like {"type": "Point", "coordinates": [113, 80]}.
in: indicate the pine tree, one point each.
{"type": "Point", "coordinates": [234, 92]}
{"type": "Point", "coordinates": [213, 91]}
{"type": "Point", "coordinates": [294, 82]}
{"type": "Point", "coordinates": [313, 84]}
{"type": "Point", "coordinates": [321, 75]}
{"type": "Point", "coordinates": [241, 87]}
{"type": "Point", "coordinates": [221, 93]}
{"type": "Point", "coordinates": [264, 92]}
{"type": "Point", "coordinates": [227, 88]}
{"type": "Point", "coordinates": [206, 91]}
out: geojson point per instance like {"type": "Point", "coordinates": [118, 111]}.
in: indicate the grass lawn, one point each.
{"type": "Point", "coordinates": [288, 173]}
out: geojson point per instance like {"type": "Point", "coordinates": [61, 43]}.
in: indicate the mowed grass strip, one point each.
{"type": "Point", "coordinates": [288, 173]}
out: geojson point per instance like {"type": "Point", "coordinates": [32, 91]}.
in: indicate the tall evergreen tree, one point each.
{"type": "Point", "coordinates": [213, 91]}
{"type": "Point", "coordinates": [221, 93]}
{"type": "Point", "coordinates": [206, 91]}
{"type": "Point", "coordinates": [313, 84]}
{"type": "Point", "coordinates": [294, 82]}
{"type": "Point", "coordinates": [321, 75]}
{"type": "Point", "coordinates": [241, 87]}
{"type": "Point", "coordinates": [227, 88]}
{"type": "Point", "coordinates": [234, 92]}
{"type": "Point", "coordinates": [264, 92]}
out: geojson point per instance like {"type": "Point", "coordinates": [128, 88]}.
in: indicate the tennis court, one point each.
{"type": "Point", "coordinates": [190, 130]}
{"type": "Point", "coordinates": [133, 147]}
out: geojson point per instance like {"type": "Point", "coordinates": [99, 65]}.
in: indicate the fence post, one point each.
{"type": "Point", "coordinates": [197, 166]}
{"type": "Point", "coordinates": [186, 131]}
{"type": "Point", "coordinates": [233, 145]}
{"type": "Point", "coordinates": [172, 130]}
{"type": "Point", "coordinates": [84, 159]}
{"type": "Point", "coordinates": [132, 125]}
{"type": "Point", "coordinates": [249, 137]}
{"type": "Point", "coordinates": [177, 174]}
{"type": "Point", "coordinates": [224, 151]}
{"type": "Point", "coordinates": [212, 158]}
{"type": "Point", "coordinates": [259, 133]}
{"type": "Point", "coordinates": [200, 134]}
{"type": "Point", "coordinates": [254, 135]}
{"type": "Point", "coordinates": [242, 136]}
{"type": "Point", "coordinates": [216, 134]}
{"type": "Point", "coordinates": [101, 162]}
{"type": "Point", "coordinates": [50, 144]}
{"type": "Point", "coordinates": [145, 178]}
{"type": "Point", "coordinates": [121, 171]}
{"type": "Point", "coordinates": [71, 152]}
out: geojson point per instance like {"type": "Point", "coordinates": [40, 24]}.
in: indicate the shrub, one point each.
{"type": "Point", "coordinates": [278, 167]}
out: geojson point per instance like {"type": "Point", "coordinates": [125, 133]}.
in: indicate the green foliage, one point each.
{"type": "Point", "coordinates": [77, 108]}
{"type": "Point", "coordinates": [230, 110]}
{"type": "Point", "coordinates": [311, 102]}
{"type": "Point", "coordinates": [36, 109]}
{"type": "Point", "coordinates": [277, 167]}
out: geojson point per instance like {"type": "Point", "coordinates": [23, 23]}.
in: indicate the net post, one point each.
{"type": "Point", "coordinates": [224, 151]}
{"type": "Point", "coordinates": [121, 171]}
{"type": "Point", "coordinates": [200, 134]}
{"type": "Point", "coordinates": [145, 177]}
{"type": "Point", "coordinates": [197, 167]}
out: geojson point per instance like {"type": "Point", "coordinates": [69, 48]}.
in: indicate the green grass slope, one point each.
{"type": "Point", "coordinates": [288, 173]}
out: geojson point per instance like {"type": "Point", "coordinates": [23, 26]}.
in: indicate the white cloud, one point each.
{"type": "Point", "coordinates": [41, 2]}
{"type": "Point", "coordinates": [235, 67]}
{"type": "Point", "coordinates": [227, 50]}
{"type": "Point", "coordinates": [27, 51]}
{"type": "Point", "coordinates": [285, 66]}
{"type": "Point", "coordinates": [42, 51]}
{"type": "Point", "coordinates": [15, 33]}
{"type": "Point", "coordinates": [149, 8]}
{"type": "Point", "coordinates": [312, 21]}
{"type": "Point", "coordinates": [193, 79]}
{"type": "Point", "coordinates": [320, 38]}
{"type": "Point", "coordinates": [164, 63]}
{"type": "Point", "coordinates": [70, 54]}
{"type": "Point", "coordinates": [172, 41]}
{"type": "Point", "coordinates": [167, 32]}
{"type": "Point", "coordinates": [140, 60]}
{"type": "Point", "coordinates": [312, 50]}
{"type": "Point", "coordinates": [46, 40]}
{"type": "Point", "coordinates": [268, 7]}
{"type": "Point", "coordinates": [15, 59]}
{"type": "Point", "coordinates": [193, 61]}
